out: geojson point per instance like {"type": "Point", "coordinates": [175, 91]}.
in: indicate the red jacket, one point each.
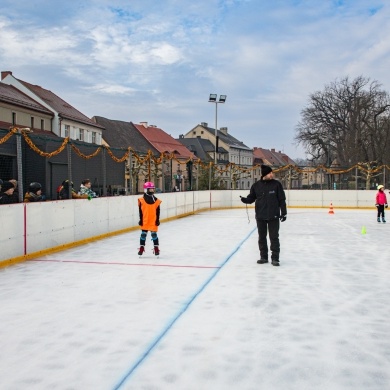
{"type": "Point", "coordinates": [381, 198]}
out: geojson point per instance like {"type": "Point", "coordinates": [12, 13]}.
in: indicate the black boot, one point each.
{"type": "Point", "coordinates": [275, 260]}
{"type": "Point", "coordinates": [263, 260]}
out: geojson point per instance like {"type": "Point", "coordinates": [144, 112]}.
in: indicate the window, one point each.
{"type": "Point", "coordinates": [67, 131]}
{"type": "Point", "coordinates": [42, 124]}
{"type": "Point", "coordinates": [14, 118]}
{"type": "Point", "coordinates": [94, 137]}
{"type": "Point", "coordinates": [81, 135]}
{"type": "Point", "coordinates": [32, 123]}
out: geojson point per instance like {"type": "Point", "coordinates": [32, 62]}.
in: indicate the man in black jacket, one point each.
{"type": "Point", "coordinates": [270, 206]}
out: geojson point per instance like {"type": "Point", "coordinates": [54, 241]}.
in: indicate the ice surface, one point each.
{"type": "Point", "coordinates": [205, 315]}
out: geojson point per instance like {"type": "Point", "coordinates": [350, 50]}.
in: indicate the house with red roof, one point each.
{"type": "Point", "coordinates": [163, 142]}
{"type": "Point", "coordinates": [67, 121]}
{"type": "Point", "coordinates": [176, 170]}
{"type": "Point", "coordinates": [271, 157]}
{"type": "Point", "coordinates": [275, 160]}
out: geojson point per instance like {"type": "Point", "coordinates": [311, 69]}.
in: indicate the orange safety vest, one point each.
{"type": "Point", "coordinates": [149, 214]}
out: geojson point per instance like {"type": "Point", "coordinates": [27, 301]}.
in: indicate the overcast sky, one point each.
{"type": "Point", "coordinates": [158, 60]}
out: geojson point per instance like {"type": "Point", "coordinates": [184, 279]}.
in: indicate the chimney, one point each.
{"type": "Point", "coordinates": [273, 150]}
{"type": "Point", "coordinates": [204, 124]}
{"type": "Point", "coordinates": [5, 74]}
{"type": "Point", "coordinates": [224, 130]}
{"type": "Point", "coordinates": [144, 124]}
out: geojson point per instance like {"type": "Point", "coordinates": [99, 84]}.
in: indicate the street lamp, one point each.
{"type": "Point", "coordinates": [213, 99]}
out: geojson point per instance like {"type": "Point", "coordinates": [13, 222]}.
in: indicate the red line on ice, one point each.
{"type": "Point", "coordinates": [128, 264]}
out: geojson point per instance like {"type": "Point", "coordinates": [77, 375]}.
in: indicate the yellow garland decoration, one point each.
{"type": "Point", "coordinates": [140, 159]}
{"type": "Point", "coordinates": [87, 157]}
{"type": "Point", "coordinates": [171, 156]}
{"type": "Point", "coordinates": [9, 135]}
{"type": "Point", "coordinates": [116, 159]}
{"type": "Point", "coordinates": [40, 152]}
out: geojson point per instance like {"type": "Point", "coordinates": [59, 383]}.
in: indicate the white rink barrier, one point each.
{"type": "Point", "coordinates": [31, 229]}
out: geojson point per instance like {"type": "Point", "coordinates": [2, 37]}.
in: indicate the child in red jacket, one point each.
{"type": "Point", "coordinates": [381, 202]}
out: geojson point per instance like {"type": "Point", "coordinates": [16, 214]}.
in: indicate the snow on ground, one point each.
{"type": "Point", "coordinates": [205, 315]}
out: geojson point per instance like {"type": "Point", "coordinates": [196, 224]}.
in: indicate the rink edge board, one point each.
{"type": "Point", "coordinates": [59, 248]}
{"type": "Point", "coordinates": [312, 207]}
{"type": "Point", "coordinates": [20, 259]}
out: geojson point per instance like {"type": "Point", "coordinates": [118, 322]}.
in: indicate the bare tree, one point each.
{"type": "Point", "coordinates": [349, 122]}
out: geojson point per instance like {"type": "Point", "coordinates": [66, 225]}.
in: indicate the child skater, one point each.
{"type": "Point", "coordinates": [149, 217]}
{"type": "Point", "coordinates": [381, 202]}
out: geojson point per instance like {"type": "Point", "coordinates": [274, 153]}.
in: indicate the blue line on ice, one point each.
{"type": "Point", "coordinates": [176, 317]}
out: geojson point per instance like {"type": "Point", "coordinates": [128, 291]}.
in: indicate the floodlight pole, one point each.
{"type": "Point", "coordinates": [216, 133]}
{"type": "Point", "coordinates": [213, 99]}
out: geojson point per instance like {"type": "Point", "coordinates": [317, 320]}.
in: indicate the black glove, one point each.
{"type": "Point", "coordinates": [386, 206]}
{"type": "Point", "coordinates": [140, 223]}
{"type": "Point", "coordinates": [157, 223]}
{"type": "Point", "coordinates": [283, 218]}
{"type": "Point", "coordinates": [243, 200]}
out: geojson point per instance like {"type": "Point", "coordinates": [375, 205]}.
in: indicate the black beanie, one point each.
{"type": "Point", "coordinates": [6, 186]}
{"type": "Point", "coordinates": [265, 170]}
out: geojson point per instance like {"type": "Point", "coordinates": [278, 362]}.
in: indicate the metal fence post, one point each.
{"type": "Point", "coordinates": [19, 163]}
{"type": "Point", "coordinates": [104, 172]}
{"type": "Point", "coordinates": [69, 151]}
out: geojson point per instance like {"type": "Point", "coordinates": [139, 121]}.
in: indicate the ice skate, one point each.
{"type": "Point", "coordinates": [383, 220]}
{"type": "Point", "coordinates": [156, 250]}
{"type": "Point", "coordinates": [379, 219]}
{"type": "Point", "coordinates": [141, 250]}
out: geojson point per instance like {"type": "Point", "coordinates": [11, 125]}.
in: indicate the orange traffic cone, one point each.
{"type": "Point", "coordinates": [331, 209]}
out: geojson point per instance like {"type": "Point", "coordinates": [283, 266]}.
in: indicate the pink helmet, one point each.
{"type": "Point", "coordinates": [148, 186]}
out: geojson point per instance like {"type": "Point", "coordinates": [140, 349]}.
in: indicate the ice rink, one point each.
{"type": "Point", "coordinates": [205, 315]}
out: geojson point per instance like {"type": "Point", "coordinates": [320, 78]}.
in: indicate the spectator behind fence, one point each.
{"type": "Point", "coordinates": [7, 192]}
{"type": "Point", "coordinates": [16, 191]}
{"type": "Point", "coordinates": [85, 189]}
{"type": "Point", "coordinates": [34, 193]}
{"type": "Point", "coordinates": [63, 191]}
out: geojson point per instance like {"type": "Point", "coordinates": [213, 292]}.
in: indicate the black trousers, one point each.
{"type": "Point", "coordinates": [381, 210]}
{"type": "Point", "coordinates": [272, 228]}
